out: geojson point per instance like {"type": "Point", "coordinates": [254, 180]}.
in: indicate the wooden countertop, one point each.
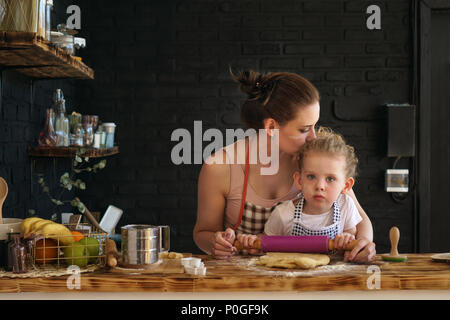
{"type": "Point", "coordinates": [239, 275]}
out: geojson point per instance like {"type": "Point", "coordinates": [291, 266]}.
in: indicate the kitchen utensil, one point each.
{"type": "Point", "coordinates": [110, 218]}
{"type": "Point", "coordinates": [3, 194]}
{"type": "Point", "coordinates": [140, 244]}
{"type": "Point", "coordinates": [164, 236]}
{"type": "Point", "coordinates": [441, 257]}
{"type": "Point", "coordinates": [394, 236]}
{"type": "Point", "coordinates": [90, 217]}
{"type": "Point", "coordinates": [306, 244]}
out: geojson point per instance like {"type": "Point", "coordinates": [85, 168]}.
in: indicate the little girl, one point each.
{"type": "Point", "coordinates": [327, 167]}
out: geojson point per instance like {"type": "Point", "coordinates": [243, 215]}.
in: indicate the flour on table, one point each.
{"type": "Point", "coordinates": [335, 266]}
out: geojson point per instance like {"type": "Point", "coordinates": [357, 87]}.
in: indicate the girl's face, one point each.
{"type": "Point", "coordinates": [297, 131]}
{"type": "Point", "coordinates": [322, 179]}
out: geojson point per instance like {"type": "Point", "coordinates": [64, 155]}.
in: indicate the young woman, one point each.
{"type": "Point", "coordinates": [234, 195]}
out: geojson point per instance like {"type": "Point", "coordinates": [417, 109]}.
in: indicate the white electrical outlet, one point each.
{"type": "Point", "coordinates": [397, 180]}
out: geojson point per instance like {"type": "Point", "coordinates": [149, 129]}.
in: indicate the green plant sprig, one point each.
{"type": "Point", "coordinates": [68, 180]}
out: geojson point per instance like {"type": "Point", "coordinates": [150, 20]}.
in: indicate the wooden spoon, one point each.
{"type": "Point", "coordinates": [3, 194]}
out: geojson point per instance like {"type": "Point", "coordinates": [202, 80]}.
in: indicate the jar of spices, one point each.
{"type": "Point", "coordinates": [17, 254]}
{"type": "Point", "coordinates": [77, 138]}
{"type": "Point", "coordinates": [109, 128]}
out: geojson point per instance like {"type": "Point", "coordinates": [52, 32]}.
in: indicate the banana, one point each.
{"type": "Point", "coordinates": [57, 232]}
{"type": "Point", "coordinates": [26, 224]}
{"type": "Point", "coordinates": [37, 226]}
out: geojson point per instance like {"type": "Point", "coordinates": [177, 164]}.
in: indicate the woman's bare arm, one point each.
{"type": "Point", "coordinates": [364, 251]}
{"type": "Point", "coordinates": [364, 228]}
{"type": "Point", "coordinates": [213, 187]}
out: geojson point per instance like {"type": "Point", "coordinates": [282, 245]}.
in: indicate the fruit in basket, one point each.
{"type": "Point", "coordinates": [76, 254]}
{"type": "Point", "coordinates": [57, 232]}
{"type": "Point", "coordinates": [77, 236]}
{"type": "Point", "coordinates": [92, 246]}
{"type": "Point", "coordinates": [26, 224]}
{"type": "Point", "coordinates": [48, 229]}
{"type": "Point", "coordinates": [38, 225]}
{"type": "Point", "coordinates": [46, 251]}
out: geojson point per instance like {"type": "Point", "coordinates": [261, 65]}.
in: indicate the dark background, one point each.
{"type": "Point", "coordinates": [161, 65]}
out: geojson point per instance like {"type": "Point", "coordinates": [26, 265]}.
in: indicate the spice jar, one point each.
{"type": "Point", "coordinates": [17, 254]}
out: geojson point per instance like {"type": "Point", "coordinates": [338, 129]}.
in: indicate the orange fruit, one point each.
{"type": "Point", "coordinates": [77, 236]}
{"type": "Point", "coordinates": [46, 251]}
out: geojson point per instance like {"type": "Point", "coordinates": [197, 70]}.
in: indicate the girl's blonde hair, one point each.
{"type": "Point", "coordinates": [333, 143]}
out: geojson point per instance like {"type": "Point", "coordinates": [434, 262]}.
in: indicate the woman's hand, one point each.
{"type": "Point", "coordinates": [363, 252]}
{"type": "Point", "coordinates": [247, 241]}
{"type": "Point", "coordinates": [223, 244]}
{"type": "Point", "coordinates": [341, 240]}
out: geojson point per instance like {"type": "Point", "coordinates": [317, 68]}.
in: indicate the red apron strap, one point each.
{"type": "Point", "coordinates": [244, 192]}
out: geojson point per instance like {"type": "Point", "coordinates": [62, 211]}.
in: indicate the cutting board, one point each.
{"type": "Point", "coordinates": [165, 266]}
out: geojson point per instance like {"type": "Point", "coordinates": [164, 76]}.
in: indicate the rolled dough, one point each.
{"type": "Point", "coordinates": [170, 255]}
{"type": "Point", "coordinates": [290, 260]}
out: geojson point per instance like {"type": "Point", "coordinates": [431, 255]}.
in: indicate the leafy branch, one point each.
{"type": "Point", "coordinates": [69, 181]}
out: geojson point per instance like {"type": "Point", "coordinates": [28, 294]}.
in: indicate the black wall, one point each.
{"type": "Point", "coordinates": [23, 104]}
{"type": "Point", "coordinates": [161, 65]}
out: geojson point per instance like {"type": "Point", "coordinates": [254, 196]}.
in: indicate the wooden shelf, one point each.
{"type": "Point", "coordinates": [36, 57]}
{"type": "Point", "coordinates": [69, 152]}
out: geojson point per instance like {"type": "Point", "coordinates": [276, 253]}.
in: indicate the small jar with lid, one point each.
{"type": "Point", "coordinates": [17, 254]}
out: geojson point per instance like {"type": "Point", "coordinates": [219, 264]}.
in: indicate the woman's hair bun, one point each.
{"type": "Point", "coordinates": [256, 85]}
{"type": "Point", "coordinates": [276, 95]}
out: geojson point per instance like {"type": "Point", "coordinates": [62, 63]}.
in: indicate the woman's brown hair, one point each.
{"type": "Point", "coordinates": [276, 95]}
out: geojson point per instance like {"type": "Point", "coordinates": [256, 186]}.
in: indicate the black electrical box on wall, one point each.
{"type": "Point", "coordinates": [401, 130]}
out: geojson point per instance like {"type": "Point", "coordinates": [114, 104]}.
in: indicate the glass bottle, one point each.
{"type": "Point", "coordinates": [17, 255]}
{"type": "Point", "coordinates": [48, 137]}
{"type": "Point", "coordinates": [48, 10]}
{"type": "Point", "coordinates": [58, 95]}
{"type": "Point", "coordinates": [62, 125]}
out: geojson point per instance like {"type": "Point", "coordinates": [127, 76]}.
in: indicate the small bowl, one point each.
{"type": "Point", "coordinates": [8, 225]}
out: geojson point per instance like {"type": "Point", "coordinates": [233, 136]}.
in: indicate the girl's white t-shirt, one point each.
{"type": "Point", "coordinates": [281, 219]}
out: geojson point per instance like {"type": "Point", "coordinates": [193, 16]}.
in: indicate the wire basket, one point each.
{"type": "Point", "coordinates": [19, 15]}
{"type": "Point", "coordinates": [87, 248]}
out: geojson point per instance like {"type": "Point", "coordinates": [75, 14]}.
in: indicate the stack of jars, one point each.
{"type": "Point", "coordinates": [76, 129]}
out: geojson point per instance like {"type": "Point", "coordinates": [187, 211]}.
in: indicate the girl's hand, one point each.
{"type": "Point", "coordinates": [247, 241]}
{"type": "Point", "coordinates": [363, 252]}
{"type": "Point", "coordinates": [341, 240]}
{"type": "Point", "coordinates": [223, 244]}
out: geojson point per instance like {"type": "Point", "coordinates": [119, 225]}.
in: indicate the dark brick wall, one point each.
{"type": "Point", "coordinates": [160, 65]}
{"type": "Point", "coordinates": [23, 104]}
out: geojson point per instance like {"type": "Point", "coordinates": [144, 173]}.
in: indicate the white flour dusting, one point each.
{"type": "Point", "coordinates": [335, 267]}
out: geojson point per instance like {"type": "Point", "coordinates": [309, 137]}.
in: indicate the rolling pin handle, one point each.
{"type": "Point", "coordinates": [256, 245]}
{"type": "Point", "coordinates": [348, 247]}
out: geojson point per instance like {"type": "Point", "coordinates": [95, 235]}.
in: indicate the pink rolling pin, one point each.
{"type": "Point", "coordinates": [306, 244]}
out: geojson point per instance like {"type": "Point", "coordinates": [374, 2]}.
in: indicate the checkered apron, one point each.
{"type": "Point", "coordinates": [299, 229]}
{"type": "Point", "coordinates": [252, 218]}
